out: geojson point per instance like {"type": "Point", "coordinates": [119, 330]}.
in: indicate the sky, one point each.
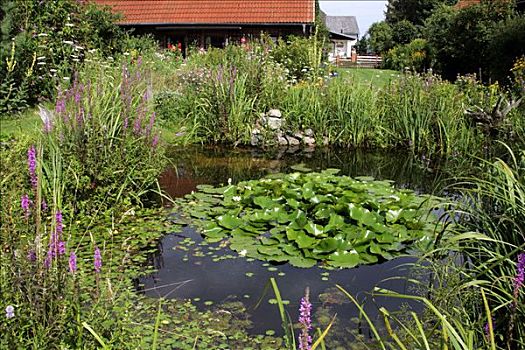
{"type": "Point", "coordinates": [366, 11]}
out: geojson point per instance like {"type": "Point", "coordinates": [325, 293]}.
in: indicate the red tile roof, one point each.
{"type": "Point", "coordinates": [466, 3]}
{"type": "Point", "coordinates": [212, 11]}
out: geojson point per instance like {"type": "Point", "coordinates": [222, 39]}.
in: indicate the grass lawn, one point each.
{"type": "Point", "coordinates": [376, 77]}
{"type": "Point", "coordinates": [26, 123]}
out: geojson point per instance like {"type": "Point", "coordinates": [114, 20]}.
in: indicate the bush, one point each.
{"type": "Point", "coordinates": [220, 93]}
{"type": "Point", "coordinates": [46, 44]}
{"type": "Point", "coordinates": [301, 57]}
{"type": "Point", "coordinates": [413, 56]}
{"type": "Point", "coordinates": [103, 128]}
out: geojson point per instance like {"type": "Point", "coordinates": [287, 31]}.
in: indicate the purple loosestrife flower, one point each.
{"type": "Point", "coordinates": [150, 124]}
{"type": "Point", "coordinates": [31, 165]}
{"type": "Point", "coordinates": [25, 203]}
{"type": "Point", "coordinates": [10, 311]}
{"type": "Point", "coordinates": [305, 320]}
{"type": "Point", "coordinates": [155, 141]}
{"type": "Point", "coordinates": [44, 205]}
{"type": "Point", "coordinates": [98, 260]}
{"type": "Point", "coordinates": [72, 262]}
{"type": "Point", "coordinates": [31, 255]}
{"type": "Point", "coordinates": [48, 259]}
{"type": "Point", "coordinates": [520, 275]}
{"type": "Point", "coordinates": [61, 248]}
{"type": "Point", "coordinates": [59, 226]}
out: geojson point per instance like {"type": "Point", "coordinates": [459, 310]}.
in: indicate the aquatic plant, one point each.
{"type": "Point", "coordinates": [305, 218]}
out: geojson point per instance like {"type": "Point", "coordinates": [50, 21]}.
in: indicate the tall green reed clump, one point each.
{"type": "Point", "coordinates": [218, 93]}
{"type": "Point", "coordinates": [104, 128]}
{"type": "Point", "coordinates": [425, 114]}
{"type": "Point", "coordinates": [495, 206]}
{"type": "Point", "coordinates": [339, 110]}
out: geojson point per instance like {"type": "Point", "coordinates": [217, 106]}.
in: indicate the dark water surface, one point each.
{"type": "Point", "coordinates": [199, 271]}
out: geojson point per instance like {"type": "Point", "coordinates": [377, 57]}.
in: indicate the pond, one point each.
{"type": "Point", "coordinates": [190, 268]}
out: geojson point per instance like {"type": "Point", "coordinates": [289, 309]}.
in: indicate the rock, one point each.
{"type": "Point", "coordinates": [292, 141]}
{"type": "Point", "coordinates": [309, 141]}
{"type": "Point", "coordinates": [282, 141]}
{"type": "Point", "coordinates": [273, 123]}
{"type": "Point", "coordinates": [275, 113]}
{"type": "Point", "coordinates": [255, 140]}
{"type": "Point", "coordinates": [256, 131]}
{"type": "Point", "coordinates": [298, 135]}
{"type": "Point", "coordinates": [309, 132]}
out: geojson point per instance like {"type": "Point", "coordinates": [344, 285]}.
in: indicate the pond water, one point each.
{"type": "Point", "coordinates": [189, 268]}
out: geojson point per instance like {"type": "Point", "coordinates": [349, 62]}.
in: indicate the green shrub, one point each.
{"type": "Point", "coordinates": [414, 56]}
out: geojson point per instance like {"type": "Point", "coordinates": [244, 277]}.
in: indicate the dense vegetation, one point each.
{"type": "Point", "coordinates": [81, 205]}
{"type": "Point", "coordinates": [433, 34]}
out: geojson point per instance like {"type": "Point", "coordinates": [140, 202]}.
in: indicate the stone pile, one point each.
{"type": "Point", "coordinates": [269, 130]}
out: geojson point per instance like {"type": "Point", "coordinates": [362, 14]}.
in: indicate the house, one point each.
{"type": "Point", "coordinates": [204, 23]}
{"type": "Point", "coordinates": [461, 4]}
{"type": "Point", "coordinates": [343, 33]}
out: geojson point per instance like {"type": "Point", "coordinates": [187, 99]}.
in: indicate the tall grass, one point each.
{"type": "Point", "coordinates": [218, 96]}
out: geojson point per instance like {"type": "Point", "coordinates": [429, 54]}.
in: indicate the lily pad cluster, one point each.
{"type": "Point", "coordinates": [316, 217]}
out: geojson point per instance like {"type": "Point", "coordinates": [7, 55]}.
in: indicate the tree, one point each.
{"type": "Point", "coordinates": [380, 34]}
{"type": "Point", "coordinates": [507, 44]}
{"type": "Point", "coordinates": [460, 41]}
{"type": "Point", "coordinates": [414, 11]}
{"type": "Point", "coordinates": [404, 32]}
{"type": "Point", "coordinates": [362, 46]}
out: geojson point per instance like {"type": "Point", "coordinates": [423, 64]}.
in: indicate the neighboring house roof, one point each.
{"type": "Point", "coordinates": [342, 25]}
{"type": "Point", "coordinates": [466, 3]}
{"type": "Point", "coordinates": [212, 11]}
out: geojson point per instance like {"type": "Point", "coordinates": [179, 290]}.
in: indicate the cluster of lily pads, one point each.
{"type": "Point", "coordinates": [315, 217]}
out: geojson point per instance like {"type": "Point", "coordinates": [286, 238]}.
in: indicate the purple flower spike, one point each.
{"type": "Point", "coordinates": [98, 260]}
{"type": "Point", "coordinates": [48, 259]}
{"type": "Point", "coordinates": [305, 320]}
{"type": "Point", "coordinates": [59, 227]}
{"type": "Point", "coordinates": [25, 203]}
{"type": "Point", "coordinates": [520, 275]}
{"type": "Point", "coordinates": [155, 141]}
{"type": "Point", "coordinates": [31, 165]}
{"type": "Point", "coordinates": [72, 262]}
{"type": "Point", "coordinates": [61, 248]}
{"type": "Point", "coordinates": [31, 255]}
{"type": "Point", "coordinates": [150, 124]}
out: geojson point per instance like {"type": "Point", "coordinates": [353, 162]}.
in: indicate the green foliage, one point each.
{"type": "Point", "coordinates": [381, 37]}
{"type": "Point", "coordinates": [315, 217]}
{"type": "Point", "coordinates": [300, 56]}
{"type": "Point", "coordinates": [104, 129]}
{"type": "Point", "coordinates": [413, 11]}
{"type": "Point", "coordinates": [403, 32]}
{"type": "Point", "coordinates": [507, 44]}
{"type": "Point", "coordinates": [48, 43]}
{"type": "Point", "coordinates": [470, 32]}
{"type": "Point", "coordinates": [220, 92]}
{"type": "Point", "coordinates": [414, 56]}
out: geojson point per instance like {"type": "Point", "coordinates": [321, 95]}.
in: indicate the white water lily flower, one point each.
{"type": "Point", "coordinates": [229, 181]}
{"type": "Point", "coordinates": [236, 198]}
{"type": "Point", "coordinates": [243, 252]}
